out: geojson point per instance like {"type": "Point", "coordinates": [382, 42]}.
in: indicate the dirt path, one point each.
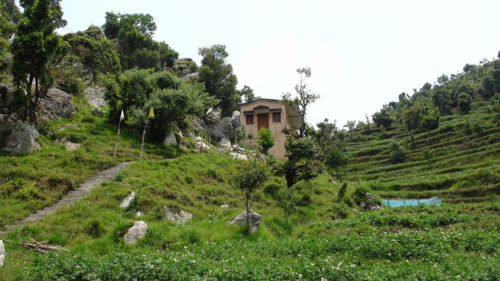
{"type": "Point", "coordinates": [71, 197]}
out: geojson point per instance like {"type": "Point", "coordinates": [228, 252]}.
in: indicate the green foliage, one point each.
{"type": "Point", "coordinates": [241, 133]}
{"type": "Point", "coordinates": [398, 153]}
{"type": "Point", "coordinates": [421, 117]}
{"type": "Point", "coordinates": [335, 159]}
{"type": "Point", "coordinates": [464, 102]}
{"type": "Point", "coordinates": [250, 177]}
{"type": "Point", "coordinates": [340, 210]}
{"type": "Point", "coordinates": [428, 154]}
{"type": "Point", "coordinates": [247, 94]}
{"type": "Point", "coordinates": [136, 91]}
{"type": "Point", "coordinates": [94, 228]}
{"type": "Point", "coordinates": [342, 192]}
{"type": "Point", "coordinates": [217, 76]}
{"type": "Point", "coordinates": [36, 49]}
{"type": "Point", "coordinates": [70, 82]}
{"type": "Point", "coordinates": [265, 140]}
{"type": "Point", "coordinates": [383, 118]}
{"type": "Point", "coordinates": [286, 201]}
{"type": "Point", "coordinates": [119, 177]}
{"type": "Point", "coordinates": [95, 50]}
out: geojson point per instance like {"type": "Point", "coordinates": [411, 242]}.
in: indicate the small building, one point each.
{"type": "Point", "coordinates": [269, 113]}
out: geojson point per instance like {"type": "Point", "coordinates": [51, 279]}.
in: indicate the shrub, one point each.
{"type": "Point", "coordinates": [286, 201]}
{"type": "Point", "coordinates": [120, 230]}
{"type": "Point", "coordinates": [265, 140]}
{"type": "Point", "coordinates": [340, 210]}
{"type": "Point", "coordinates": [398, 153]}
{"type": "Point", "coordinates": [464, 103]}
{"type": "Point", "coordinates": [46, 129]}
{"type": "Point", "coordinates": [119, 177]}
{"type": "Point", "coordinates": [304, 201]}
{"type": "Point", "coordinates": [342, 192]}
{"type": "Point", "coordinates": [272, 188]}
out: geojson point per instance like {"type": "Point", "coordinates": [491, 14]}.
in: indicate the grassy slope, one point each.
{"type": "Point", "coordinates": [464, 168]}
{"type": "Point", "coordinates": [392, 244]}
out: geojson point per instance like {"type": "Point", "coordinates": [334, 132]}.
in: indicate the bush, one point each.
{"type": "Point", "coordinates": [265, 140]}
{"type": "Point", "coordinates": [340, 211]}
{"type": "Point", "coordinates": [398, 153]}
{"type": "Point", "coordinates": [464, 103]}
{"type": "Point", "coordinates": [304, 201]}
{"type": "Point", "coordinates": [70, 83]}
{"type": "Point", "coordinates": [272, 188]}
{"type": "Point", "coordinates": [342, 192]}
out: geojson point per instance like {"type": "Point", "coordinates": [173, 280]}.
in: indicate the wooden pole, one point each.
{"type": "Point", "coordinates": [143, 134]}
{"type": "Point", "coordinates": [117, 137]}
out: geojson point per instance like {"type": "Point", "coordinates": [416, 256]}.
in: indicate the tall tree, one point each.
{"type": "Point", "coordinates": [218, 77]}
{"type": "Point", "coordinates": [10, 10]}
{"type": "Point", "coordinates": [248, 94]}
{"type": "Point", "coordinates": [303, 154]}
{"type": "Point", "coordinates": [36, 49]}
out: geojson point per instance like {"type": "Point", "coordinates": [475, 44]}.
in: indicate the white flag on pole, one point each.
{"type": "Point", "coordinates": [122, 117]}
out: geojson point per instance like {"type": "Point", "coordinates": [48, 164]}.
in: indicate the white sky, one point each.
{"type": "Point", "coordinates": [362, 53]}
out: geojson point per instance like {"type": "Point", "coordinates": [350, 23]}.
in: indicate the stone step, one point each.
{"type": "Point", "coordinates": [72, 196]}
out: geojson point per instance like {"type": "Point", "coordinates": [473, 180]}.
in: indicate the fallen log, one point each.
{"type": "Point", "coordinates": [40, 246]}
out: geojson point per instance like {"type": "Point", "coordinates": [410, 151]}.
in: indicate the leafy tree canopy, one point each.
{"type": "Point", "coordinates": [218, 77]}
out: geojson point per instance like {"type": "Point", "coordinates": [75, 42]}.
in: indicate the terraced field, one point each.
{"type": "Point", "coordinates": [464, 166]}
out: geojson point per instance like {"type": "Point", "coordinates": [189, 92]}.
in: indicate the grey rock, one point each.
{"type": "Point", "coordinates": [95, 96]}
{"type": "Point", "coordinates": [369, 198]}
{"type": "Point", "coordinates": [138, 215]}
{"type": "Point", "coordinates": [98, 112]}
{"type": "Point", "coordinates": [224, 207]}
{"type": "Point", "coordinates": [254, 220]}
{"type": "Point", "coordinates": [56, 105]}
{"type": "Point", "coordinates": [70, 146]}
{"type": "Point", "coordinates": [202, 145]}
{"type": "Point", "coordinates": [225, 143]}
{"type": "Point", "coordinates": [222, 129]}
{"type": "Point", "coordinates": [170, 139]}
{"type": "Point", "coordinates": [22, 139]}
{"type": "Point", "coordinates": [236, 121]}
{"type": "Point", "coordinates": [3, 254]}
{"type": "Point", "coordinates": [198, 139]}
{"type": "Point", "coordinates": [65, 126]}
{"type": "Point", "coordinates": [126, 201]}
{"type": "Point", "coordinates": [238, 156]}
{"type": "Point", "coordinates": [136, 232]}
{"type": "Point", "coordinates": [212, 116]}
{"type": "Point", "coordinates": [198, 123]}
{"type": "Point", "coordinates": [177, 217]}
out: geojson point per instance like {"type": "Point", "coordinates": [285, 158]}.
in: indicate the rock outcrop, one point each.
{"type": "Point", "coordinates": [22, 139]}
{"type": "Point", "coordinates": [56, 105]}
{"type": "Point", "coordinates": [183, 69]}
{"type": "Point", "coordinates": [126, 202]}
{"type": "Point", "coordinates": [177, 217]}
{"type": "Point", "coordinates": [95, 96]}
{"type": "Point", "coordinates": [136, 232]}
{"type": "Point", "coordinates": [254, 220]}
{"type": "Point", "coordinates": [225, 127]}
{"type": "Point", "coordinates": [3, 254]}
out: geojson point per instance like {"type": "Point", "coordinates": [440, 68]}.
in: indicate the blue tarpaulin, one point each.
{"type": "Point", "coordinates": [411, 202]}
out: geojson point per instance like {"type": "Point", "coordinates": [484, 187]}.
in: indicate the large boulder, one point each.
{"type": "Point", "coordinates": [56, 105]}
{"type": "Point", "coordinates": [254, 220]}
{"type": "Point", "coordinates": [177, 217]}
{"type": "Point", "coordinates": [22, 139]}
{"type": "Point", "coordinates": [136, 232]}
{"type": "Point", "coordinates": [2, 253]}
{"type": "Point", "coordinates": [95, 96]}
{"type": "Point", "coordinates": [212, 116]}
{"type": "Point", "coordinates": [225, 127]}
{"type": "Point", "coordinates": [198, 123]}
{"type": "Point", "coordinates": [170, 139]}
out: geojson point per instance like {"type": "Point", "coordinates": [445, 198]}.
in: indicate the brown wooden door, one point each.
{"type": "Point", "coordinates": [263, 121]}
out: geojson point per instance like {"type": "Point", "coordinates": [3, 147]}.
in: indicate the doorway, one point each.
{"type": "Point", "coordinates": [263, 121]}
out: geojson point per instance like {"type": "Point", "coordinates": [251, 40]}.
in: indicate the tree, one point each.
{"type": "Point", "coordinates": [250, 177]}
{"type": "Point", "coordinates": [443, 79]}
{"type": "Point", "coordinates": [383, 117]}
{"type": "Point", "coordinates": [36, 49]}
{"type": "Point", "coordinates": [248, 94]}
{"type": "Point", "coordinates": [335, 160]}
{"type": "Point", "coordinates": [303, 157]}
{"type": "Point", "coordinates": [102, 57]}
{"type": "Point", "coordinates": [464, 103]}
{"type": "Point", "coordinates": [10, 11]}
{"type": "Point", "coordinates": [428, 154]}
{"type": "Point", "coordinates": [304, 99]}
{"type": "Point", "coordinates": [218, 77]}
{"type": "Point", "coordinates": [489, 86]}
{"type": "Point", "coordinates": [265, 140]}
{"type": "Point", "coordinates": [137, 91]}
{"type": "Point", "coordinates": [442, 100]}
{"type": "Point", "coordinates": [368, 123]}
{"type": "Point", "coordinates": [350, 125]}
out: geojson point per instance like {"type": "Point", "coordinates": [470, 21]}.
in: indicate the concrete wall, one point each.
{"type": "Point", "coordinates": [278, 150]}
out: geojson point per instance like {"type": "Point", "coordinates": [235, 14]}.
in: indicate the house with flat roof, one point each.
{"type": "Point", "coordinates": [269, 113]}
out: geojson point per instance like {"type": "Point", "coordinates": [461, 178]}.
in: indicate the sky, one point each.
{"type": "Point", "coordinates": [362, 54]}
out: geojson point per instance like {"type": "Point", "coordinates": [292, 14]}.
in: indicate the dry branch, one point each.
{"type": "Point", "coordinates": [40, 246]}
